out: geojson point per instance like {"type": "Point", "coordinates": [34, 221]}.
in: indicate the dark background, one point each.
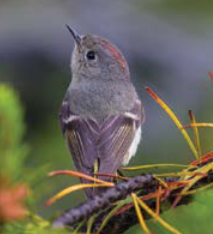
{"type": "Point", "coordinates": [167, 43]}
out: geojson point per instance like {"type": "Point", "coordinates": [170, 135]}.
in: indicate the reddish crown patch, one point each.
{"type": "Point", "coordinates": [114, 51]}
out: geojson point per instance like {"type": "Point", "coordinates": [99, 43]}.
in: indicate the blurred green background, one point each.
{"type": "Point", "coordinates": [167, 43]}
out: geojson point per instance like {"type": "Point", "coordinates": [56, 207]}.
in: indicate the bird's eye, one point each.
{"type": "Point", "coordinates": [91, 55]}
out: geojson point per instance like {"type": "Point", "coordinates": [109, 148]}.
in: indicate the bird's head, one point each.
{"type": "Point", "coordinates": [94, 57]}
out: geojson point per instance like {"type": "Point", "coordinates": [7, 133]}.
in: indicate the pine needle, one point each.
{"type": "Point", "coordinates": [90, 223]}
{"type": "Point", "coordinates": [204, 170]}
{"type": "Point", "coordinates": [72, 189]}
{"type": "Point", "coordinates": [162, 182]}
{"type": "Point", "coordinates": [79, 175]}
{"type": "Point", "coordinates": [112, 176]}
{"type": "Point", "coordinates": [80, 225]}
{"type": "Point", "coordinates": [152, 195]}
{"type": "Point", "coordinates": [156, 166]}
{"type": "Point", "coordinates": [110, 215]}
{"type": "Point", "coordinates": [175, 119]}
{"type": "Point", "coordinates": [182, 173]}
{"type": "Point", "coordinates": [194, 191]}
{"type": "Point", "coordinates": [158, 218]}
{"type": "Point", "coordinates": [158, 197]}
{"type": "Point", "coordinates": [203, 159]}
{"type": "Point", "coordinates": [139, 214]}
{"type": "Point", "coordinates": [196, 133]}
{"type": "Point", "coordinates": [198, 125]}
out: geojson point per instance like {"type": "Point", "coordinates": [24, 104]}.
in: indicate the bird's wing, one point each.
{"type": "Point", "coordinates": [109, 143]}
{"type": "Point", "coordinates": [118, 138]}
{"type": "Point", "coordinates": [81, 135]}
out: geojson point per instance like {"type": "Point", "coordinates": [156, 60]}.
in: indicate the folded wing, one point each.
{"type": "Point", "coordinates": [119, 138]}
{"type": "Point", "coordinates": [108, 143]}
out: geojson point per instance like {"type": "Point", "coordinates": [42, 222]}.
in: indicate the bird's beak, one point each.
{"type": "Point", "coordinates": [75, 35]}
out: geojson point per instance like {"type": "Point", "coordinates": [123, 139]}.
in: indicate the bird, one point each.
{"type": "Point", "coordinates": [101, 115]}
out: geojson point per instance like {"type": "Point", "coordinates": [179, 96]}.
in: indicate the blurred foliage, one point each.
{"type": "Point", "coordinates": [12, 170]}
{"type": "Point", "coordinates": [190, 6]}
{"type": "Point", "coordinates": [13, 150]}
{"type": "Point", "coordinates": [34, 225]}
{"type": "Point", "coordinates": [178, 6]}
